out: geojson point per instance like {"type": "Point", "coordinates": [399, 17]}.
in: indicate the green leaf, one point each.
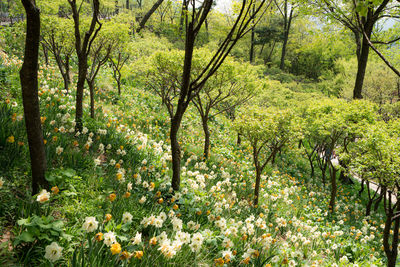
{"type": "Point", "coordinates": [69, 173]}
{"type": "Point", "coordinates": [24, 222]}
{"type": "Point", "coordinates": [26, 237]}
{"type": "Point", "coordinates": [51, 178]}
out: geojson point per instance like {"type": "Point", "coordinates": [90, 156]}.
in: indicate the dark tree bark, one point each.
{"type": "Point", "coordinates": [45, 54]}
{"type": "Point", "coordinates": [371, 199]}
{"type": "Point", "coordinates": [362, 64]}
{"type": "Point", "coordinates": [127, 4]}
{"type": "Point", "coordinates": [380, 198]}
{"type": "Point", "coordinates": [30, 98]}
{"type": "Point", "coordinates": [148, 15]}
{"type": "Point", "coordinates": [392, 215]}
{"type": "Point", "coordinates": [333, 188]}
{"type": "Point", "coordinates": [82, 50]}
{"type": "Point", "coordinates": [286, 29]}
{"type": "Point", "coordinates": [91, 94]}
{"type": "Point", "coordinates": [252, 45]}
{"type": "Point", "coordinates": [206, 130]}
{"type": "Point", "coordinates": [362, 187]}
{"type": "Point", "coordinates": [181, 108]}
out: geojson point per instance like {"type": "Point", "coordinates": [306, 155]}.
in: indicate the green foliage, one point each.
{"type": "Point", "coordinates": [268, 130]}
{"type": "Point", "coordinates": [316, 56]}
{"type": "Point", "coordinates": [38, 228]}
{"type": "Point", "coordinates": [376, 156]}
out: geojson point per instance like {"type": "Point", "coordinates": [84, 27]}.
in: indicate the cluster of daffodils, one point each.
{"type": "Point", "coordinates": [10, 61]}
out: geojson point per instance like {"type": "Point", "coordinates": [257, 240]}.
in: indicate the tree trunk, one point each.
{"type": "Point", "coordinates": [323, 169]}
{"type": "Point", "coordinates": [391, 250]}
{"type": "Point", "coordinates": [333, 189]}
{"type": "Point", "coordinates": [119, 86]}
{"type": "Point", "coordinates": [239, 139]}
{"type": "Point", "coordinates": [176, 150]}
{"type": "Point", "coordinates": [127, 4]}
{"type": "Point", "coordinates": [370, 201]}
{"type": "Point", "coordinates": [148, 15]}
{"type": "Point", "coordinates": [183, 102]}
{"type": "Point", "coordinates": [45, 54]}
{"type": "Point", "coordinates": [206, 152]}
{"type": "Point", "coordinates": [257, 187]}
{"type": "Point", "coordinates": [379, 200]}
{"type": "Point", "coordinates": [362, 187]}
{"type": "Point", "coordinates": [91, 91]}
{"type": "Point", "coordinates": [287, 24]}
{"type": "Point", "coordinates": [30, 98]}
{"type": "Point", "coordinates": [82, 70]}
{"type": "Point", "coordinates": [362, 65]}
{"type": "Point", "coordinates": [311, 164]}
{"type": "Point", "coordinates": [82, 51]}
{"type": "Point", "coordinates": [252, 45]}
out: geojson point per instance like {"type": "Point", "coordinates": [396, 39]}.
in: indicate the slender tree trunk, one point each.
{"type": "Point", "coordinates": [119, 86]}
{"type": "Point", "coordinates": [45, 54]}
{"type": "Point", "coordinates": [333, 189]}
{"type": "Point", "coordinates": [362, 65]}
{"type": "Point", "coordinates": [184, 2]}
{"type": "Point", "coordinates": [311, 165]}
{"type": "Point", "coordinates": [82, 70]}
{"type": "Point", "coordinates": [82, 51]}
{"type": "Point", "coordinates": [391, 250]}
{"type": "Point", "coordinates": [239, 139]}
{"type": "Point", "coordinates": [176, 150]}
{"type": "Point", "coordinates": [148, 15]}
{"type": "Point", "coordinates": [207, 31]}
{"type": "Point", "coordinates": [370, 201]}
{"type": "Point", "coordinates": [287, 24]}
{"type": "Point", "coordinates": [30, 98]}
{"type": "Point", "coordinates": [362, 187]}
{"type": "Point", "coordinates": [127, 4]}
{"type": "Point", "coordinates": [182, 105]}
{"type": "Point", "coordinates": [257, 186]}
{"type": "Point", "coordinates": [206, 152]}
{"type": "Point", "coordinates": [324, 173]}
{"type": "Point", "coordinates": [252, 45]}
{"type": "Point", "coordinates": [379, 200]}
{"type": "Point", "coordinates": [91, 91]}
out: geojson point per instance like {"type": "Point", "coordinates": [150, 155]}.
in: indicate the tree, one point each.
{"type": "Point", "coordinates": [56, 37]}
{"type": "Point", "coordinates": [117, 62]}
{"type": "Point", "coordinates": [82, 48]}
{"type": "Point", "coordinates": [148, 15]}
{"type": "Point", "coordinates": [376, 158]}
{"type": "Point", "coordinates": [360, 18]}
{"type": "Point", "coordinates": [268, 131]}
{"type": "Point", "coordinates": [111, 37]}
{"type": "Point", "coordinates": [191, 86]}
{"type": "Point", "coordinates": [286, 9]}
{"type": "Point", "coordinates": [332, 126]}
{"type": "Point", "coordinates": [269, 35]}
{"type": "Point", "coordinates": [30, 98]}
{"type": "Point", "coordinates": [232, 85]}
